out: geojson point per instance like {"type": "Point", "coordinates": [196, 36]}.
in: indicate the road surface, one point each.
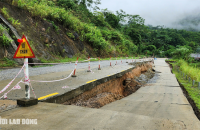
{"type": "Point", "coordinates": [157, 106]}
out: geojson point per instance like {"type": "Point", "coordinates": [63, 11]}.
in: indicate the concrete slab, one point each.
{"type": "Point", "coordinates": [55, 116]}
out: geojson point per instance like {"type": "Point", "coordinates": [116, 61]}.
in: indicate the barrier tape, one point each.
{"type": "Point", "coordinates": [32, 89]}
{"type": "Point", "coordinates": [91, 71]}
{"type": "Point", "coordinates": [52, 63]}
{"type": "Point", "coordinates": [13, 88]}
{"type": "Point", "coordinates": [30, 85]}
{"type": "Point", "coordinates": [7, 86]}
{"type": "Point", "coordinates": [28, 80]}
{"type": "Point", "coordinates": [53, 80]}
{"type": "Point", "coordinates": [65, 87]}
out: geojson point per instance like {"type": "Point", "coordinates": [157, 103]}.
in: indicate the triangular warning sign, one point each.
{"type": "Point", "coordinates": [24, 50]}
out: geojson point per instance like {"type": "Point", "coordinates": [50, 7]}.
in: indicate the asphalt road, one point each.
{"type": "Point", "coordinates": [58, 72]}
{"type": "Point", "coordinates": [11, 73]}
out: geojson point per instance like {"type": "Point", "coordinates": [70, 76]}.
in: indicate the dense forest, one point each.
{"type": "Point", "coordinates": [113, 32]}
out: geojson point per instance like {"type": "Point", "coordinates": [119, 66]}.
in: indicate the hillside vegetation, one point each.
{"type": "Point", "coordinates": [106, 32]}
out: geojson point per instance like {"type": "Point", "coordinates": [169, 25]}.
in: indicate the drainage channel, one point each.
{"type": "Point", "coordinates": [114, 89]}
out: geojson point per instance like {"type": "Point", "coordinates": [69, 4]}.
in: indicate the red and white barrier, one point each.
{"type": "Point", "coordinates": [14, 88]}
{"type": "Point", "coordinates": [89, 65]}
{"type": "Point", "coordinates": [99, 64]}
{"type": "Point", "coordinates": [7, 86]}
{"type": "Point", "coordinates": [74, 74]}
{"type": "Point", "coordinates": [110, 61]}
{"type": "Point", "coordinates": [53, 80]}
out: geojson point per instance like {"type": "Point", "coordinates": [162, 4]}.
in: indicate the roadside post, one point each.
{"type": "Point", "coordinates": [89, 64]}
{"type": "Point", "coordinates": [135, 58]}
{"type": "Point", "coordinates": [126, 59]}
{"type": "Point", "coordinates": [198, 85]}
{"type": "Point", "coordinates": [121, 60]}
{"type": "Point", "coordinates": [74, 74]}
{"type": "Point", "coordinates": [110, 60]}
{"type": "Point", "coordinates": [99, 64]}
{"type": "Point", "coordinates": [193, 82]}
{"type": "Point", "coordinates": [132, 59]}
{"type": "Point", "coordinates": [116, 60]}
{"type": "Point", "coordinates": [24, 51]}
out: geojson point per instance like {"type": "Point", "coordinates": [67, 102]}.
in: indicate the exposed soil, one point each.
{"type": "Point", "coordinates": [112, 90]}
{"type": "Point", "coordinates": [7, 105]}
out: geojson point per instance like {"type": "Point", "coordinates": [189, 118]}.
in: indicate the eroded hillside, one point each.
{"type": "Point", "coordinates": [48, 40]}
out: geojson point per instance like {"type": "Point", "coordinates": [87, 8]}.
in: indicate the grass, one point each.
{"type": "Point", "coordinates": [14, 22]}
{"type": "Point", "coordinates": [4, 40]}
{"type": "Point", "coordinates": [99, 38]}
{"type": "Point", "coordinates": [193, 91]}
{"type": "Point", "coordinates": [195, 65]}
{"type": "Point", "coordinates": [191, 71]}
{"type": "Point", "coordinates": [5, 62]}
{"type": "Point", "coordinates": [170, 60]}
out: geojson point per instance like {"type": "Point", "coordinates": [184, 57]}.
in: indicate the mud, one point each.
{"type": "Point", "coordinates": [115, 89]}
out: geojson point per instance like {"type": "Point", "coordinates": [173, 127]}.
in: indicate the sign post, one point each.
{"type": "Point", "coordinates": [27, 88]}
{"type": "Point", "coordinates": [24, 51]}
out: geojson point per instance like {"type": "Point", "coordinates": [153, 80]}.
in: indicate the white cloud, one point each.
{"type": "Point", "coordinates": [155, 12]}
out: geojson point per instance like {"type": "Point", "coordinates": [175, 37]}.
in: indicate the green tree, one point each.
{"type": "Point", "coordinates": [111, 18]}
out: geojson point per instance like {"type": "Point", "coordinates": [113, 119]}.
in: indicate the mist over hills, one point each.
{"type": "Point", "coordinates": [189, 23]}
{"type": "Point", "coordinates": [177, 14]}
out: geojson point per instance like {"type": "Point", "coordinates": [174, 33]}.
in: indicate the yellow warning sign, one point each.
{"type": "Point", "coordinates": [24, 50]}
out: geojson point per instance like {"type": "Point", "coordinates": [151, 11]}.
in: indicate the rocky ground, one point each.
{"type": "Point", "coordinates": [7, 105]}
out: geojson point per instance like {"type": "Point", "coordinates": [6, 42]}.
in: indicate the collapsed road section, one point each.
{"type": "Point", "coordinates": [103, 91]}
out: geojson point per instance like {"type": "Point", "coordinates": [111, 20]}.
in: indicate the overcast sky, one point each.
{"type": "Point", "coordinates": [155, 12]}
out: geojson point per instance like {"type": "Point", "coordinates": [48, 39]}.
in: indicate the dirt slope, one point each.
{"type": "Point", "coordinates": [45, 39]}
